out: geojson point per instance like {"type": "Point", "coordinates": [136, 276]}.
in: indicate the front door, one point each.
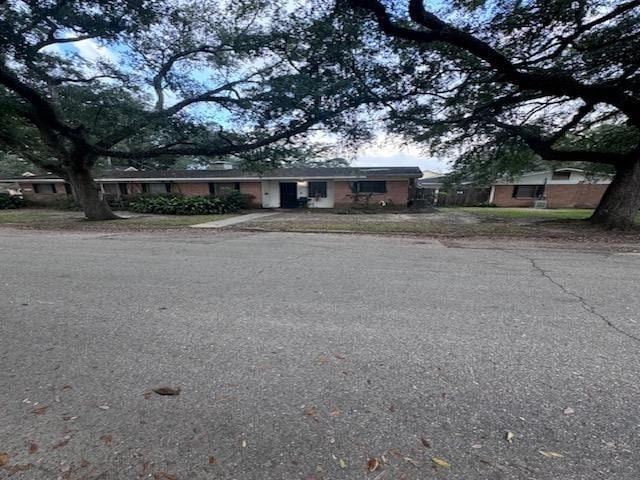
{"type": "Point", "coordinates": [288, 195]}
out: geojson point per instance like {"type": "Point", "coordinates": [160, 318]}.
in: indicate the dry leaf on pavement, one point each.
{"type": "Point", "coordinates": [440, 462]}
{"type": "Point", "coordinates": [4, 459]}
{"type": "Point", "coordinates": [40, 410]}
{"type": "Point", "coordinates": [164, 390]}
{"type": "Point", "coordinates": [551, 454]}
{"type": "Point", "coordinates": [373, 464]}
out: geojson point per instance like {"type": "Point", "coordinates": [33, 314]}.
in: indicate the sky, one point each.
{"type": "Point", "coordinates": [387, 152]}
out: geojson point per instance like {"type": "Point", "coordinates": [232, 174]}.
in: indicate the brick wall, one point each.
{"type": "Point", "coordinates": [584, 195]}
{"type": "Point", "coordinates": [580, 196]}
{"type": "Point", "coordinates": [503, 197]}
{"type": "Point", "coordinates": [397, 192]}
{"type": "Point", "coordinates": [29, 193]}
{"type": "Point", "coordinates": [191, 189]}
{"type": "Point", "coordinates": [254, 189]}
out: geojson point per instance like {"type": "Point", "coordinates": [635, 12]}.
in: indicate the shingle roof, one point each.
{"type": "Point", "coordinates": [294, 172]}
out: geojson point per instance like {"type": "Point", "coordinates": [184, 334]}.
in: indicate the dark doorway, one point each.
{"type": "Point", "coordinates": [288, 195]}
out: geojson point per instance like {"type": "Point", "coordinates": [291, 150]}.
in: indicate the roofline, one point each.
{"type": "Point", "coordinates": [208, 179]}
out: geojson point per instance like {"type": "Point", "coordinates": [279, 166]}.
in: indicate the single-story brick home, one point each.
{"type": "Point", "coordinates": [561, 188]}
{"type": "Point", "coordinates": [322, 187]}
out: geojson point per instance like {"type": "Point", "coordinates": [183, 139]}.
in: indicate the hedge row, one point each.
{"type": "Point", "coordinates": [181, 205]}
{"type": "Point", "coordinates": [10, 201]}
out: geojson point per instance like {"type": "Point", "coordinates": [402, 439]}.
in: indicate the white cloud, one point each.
{"type": "Point", "coordinates": [387, 152]}
{"type": "Point", "coordinates": [92, 51]}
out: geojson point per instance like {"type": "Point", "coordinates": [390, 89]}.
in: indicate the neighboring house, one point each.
{"type": "Point", "coordinates": [280, 188]}
{"type": "Point", "coordinates": [561, 188]}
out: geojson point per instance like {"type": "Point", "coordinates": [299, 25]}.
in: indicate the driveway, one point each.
{"type": "Point", "coordinates": [310, 356]}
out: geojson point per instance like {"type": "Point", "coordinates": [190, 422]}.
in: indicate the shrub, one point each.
{"type": "Point", "coordinates": [181, 205]}
{"type": "Point", "coordinates": [10, 201]}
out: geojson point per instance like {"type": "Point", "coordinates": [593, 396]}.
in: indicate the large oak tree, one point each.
{"type": "Point", "coordinates": [162, 79]}
{"type": "Point", "coordinates": [548, 75]}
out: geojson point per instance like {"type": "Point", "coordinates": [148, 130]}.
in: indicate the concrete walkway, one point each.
{"type": "Point", "coordinates": [234, 220]}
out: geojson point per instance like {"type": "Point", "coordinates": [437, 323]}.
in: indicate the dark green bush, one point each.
{"type": "Point", "coordinates": [182, 205]}
{"type": "Point", "coordinates": [10, 201]}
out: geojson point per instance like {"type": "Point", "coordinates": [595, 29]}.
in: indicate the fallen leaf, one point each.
{"type": "Point", "coordinates": [440, 462]}
{"type": "Point", "coordinates": [84, 463]}
{"type": "Point", "coordinates": [339, 357]}
{"type": "Point", "coordinates": [569, 411]}
{"type": "Point", "coordinates": [4, 459]}
{"type": "Point", "coordinates": [373, 464]}
{"type": "Point", "coordinates": [167, 390]}
{"type": "Point", "coordinates": [411, 461]}
{"type": "Point", "coordinates": [476, 445]}
{"type": "Point", "coordinates": [213, 460]}
{"type": "Point", "coordinates": [392, 408]}
{"type": "Point", "coordinates": [40, 410]}
{"type": "Point", "coordinates": [509, 437]}
{"type": "Point", "coordinates": [107, 439]}
{"type": "Point", "coordinates": [311, 412]}
{"type": "Point", "coordinates": [551, 454]}
{"type": "Point", "coordinates": [425, 442]}
{"type": "Point", "coordinates": [33, 448]}
{"type": "Point", "coordinates": [103, 407]}
{"type": "Point", "coordinates": [321, 360]}
{"type": "Point", "coordinates": [396, 453]}
{"type": "Point", "coordinates": [67, 387]}
{"type": "Point", "coordinates": [147, 395]}
{"type": "Point", "coordinates": [160, 475]}
{"type": "Point", "coordinates": [342, 463]}
{"type": "Point", "coordinates": [67, 418]}
{"type": "Point", "coordinates": [244, 444]}
{"type": "Point", "coordinates": [335, 413]}
{"type": "Point", "coordinates": [61, 444]}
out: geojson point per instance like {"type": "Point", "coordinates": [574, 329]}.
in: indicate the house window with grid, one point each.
{"type": "Point", "coordinates": [156, 188]}
{"type": "Point", "coordinates": [44, 188]}
{"type": "Point", "coordinates": [317, 190]}
{"type": "Point", "coordinates": [369, 186]}
{"type": "Point", "coordinates": [528, 191]}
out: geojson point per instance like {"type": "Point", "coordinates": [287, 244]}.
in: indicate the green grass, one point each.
{"type": "Point", "coordinates": [532, 213]}
{"type": "Point", "coordinates": [48, 218]}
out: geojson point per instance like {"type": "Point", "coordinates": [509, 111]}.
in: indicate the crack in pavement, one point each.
{"type": "Point", "coordinates": [586, 306]}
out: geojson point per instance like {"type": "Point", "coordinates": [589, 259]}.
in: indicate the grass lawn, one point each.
{"type": "Point", "coordinates": [65, 219]}
{"type": "Point", "coordinates": [530, 213]}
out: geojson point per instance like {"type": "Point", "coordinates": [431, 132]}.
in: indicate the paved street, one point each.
{"type": "Point", "coordinates": [303, 356]}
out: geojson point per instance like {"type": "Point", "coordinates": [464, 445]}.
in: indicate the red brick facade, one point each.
{"type": "Point", "coordinates": [582, 195]}
{"type": "Point", "coordinates": [397, 193]}
{"type": "Point", "coordinates": [191, 189]}
{"type": "Point", "coordinates": [29, 193]}
{"type": "Point", "coordinates": [254, 190]}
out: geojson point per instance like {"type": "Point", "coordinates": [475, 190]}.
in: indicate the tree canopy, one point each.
{"type": "Point", "coordinates": [168, 79]}
{"type": "Point", "coordinates": [497, 76]}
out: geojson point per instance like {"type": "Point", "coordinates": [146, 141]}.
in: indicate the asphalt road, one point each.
{"type": "Point", "coordinates": [302, 356]}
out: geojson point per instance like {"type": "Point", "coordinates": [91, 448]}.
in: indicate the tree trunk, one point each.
{"type": "Point", "coordinates": [619, 205]}
{"type": "Point", "coordinates": [86, 193]}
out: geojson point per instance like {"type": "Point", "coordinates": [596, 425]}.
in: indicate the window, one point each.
{"type": "Point", "coordinates": [528, 191]}
{"type": "Point", "coordinates": [123, 188]}
{"type": "Point", "coordinates": [110, 188]}
{"type": "Point", "coordinates": [44, 188]}
{"type": "Point", "coordinates": [156, 188]}
{"type": "Point", "coordinates": [220, 188]}
{"type": "Point", "coordinates": [317, 190]}
{"type": "Point", "coordinates": [561, 176]}
{"type": "Point", "coordinates": [369, 187]}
